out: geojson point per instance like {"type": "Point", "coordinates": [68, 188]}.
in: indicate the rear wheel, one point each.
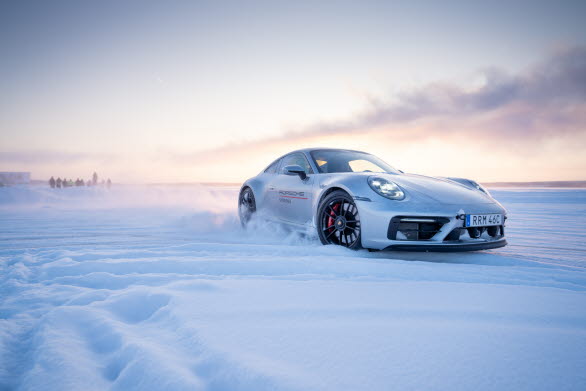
{"type": "Point", "coordinates": [246, 206]}
{"type": "Point", "coordinates": [338, 221]}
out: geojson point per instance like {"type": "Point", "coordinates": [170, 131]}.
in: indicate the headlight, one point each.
{"type": "Point", "coordinates": [386, 188]}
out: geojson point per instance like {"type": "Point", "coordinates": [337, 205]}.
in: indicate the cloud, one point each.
{"type": "Point", "coordinates": [559, 81]}
{"type": "Point", "coordinates": [548, 98]}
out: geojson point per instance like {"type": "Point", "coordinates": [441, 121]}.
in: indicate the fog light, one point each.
{"type": "Point", "coordinates": [474, 232]}
{"type": "Point", "coordinates": [493, 231]}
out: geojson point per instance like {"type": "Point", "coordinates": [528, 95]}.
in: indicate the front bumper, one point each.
{"type": "Point", "coordinates": [376, 216]}
{"type": "Point", "coordinates": [449, 247]}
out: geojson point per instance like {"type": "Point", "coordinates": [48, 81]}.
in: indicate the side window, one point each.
{"type": "Point", "coordinates": [272, 169]}
{"type": "Point", "coordinates": [296, 159]}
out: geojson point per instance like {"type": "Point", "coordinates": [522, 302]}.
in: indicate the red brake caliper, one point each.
{"type": "Point", "coordinates": [330, 219]}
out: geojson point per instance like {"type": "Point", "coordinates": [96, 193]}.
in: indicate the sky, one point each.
{"type": "Point", "coordinates": [213, 91]}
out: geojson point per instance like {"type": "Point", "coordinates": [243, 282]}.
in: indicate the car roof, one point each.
{"type": "Point", "coordinates": [307, 150]}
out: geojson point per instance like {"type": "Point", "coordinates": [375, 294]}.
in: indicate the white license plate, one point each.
{"type": "Point", "coordinates": [484, 220]}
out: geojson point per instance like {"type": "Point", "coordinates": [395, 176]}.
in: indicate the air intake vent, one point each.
{"type": "Point", "coordinates": [415, 227]}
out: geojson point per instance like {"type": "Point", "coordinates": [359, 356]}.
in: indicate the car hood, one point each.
{"type": "Point", "coordinates": [439, 190]}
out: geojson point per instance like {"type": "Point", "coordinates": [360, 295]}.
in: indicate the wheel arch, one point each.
{"type": "Point", "coordinates": [330, 190]}
{"type": "Point", "coordinates": [323, 194]}
{"type": "Point", "coordinates": [257, 190]}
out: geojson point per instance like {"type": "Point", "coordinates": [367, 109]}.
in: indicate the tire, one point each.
{"type": "Point", "coordinates": [338, 221]}
{"type": "Point", "coordinates": [246, 206]}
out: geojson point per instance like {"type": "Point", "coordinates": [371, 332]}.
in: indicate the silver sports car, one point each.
{"type": "Point", "coordinates": [356, 200]}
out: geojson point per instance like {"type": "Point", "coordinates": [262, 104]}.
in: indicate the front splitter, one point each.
{"type": "Point", "coordinates": [448, 247]}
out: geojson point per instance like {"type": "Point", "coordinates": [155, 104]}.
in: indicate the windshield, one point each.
{"type": "Point", "coordinates": [328, 161]}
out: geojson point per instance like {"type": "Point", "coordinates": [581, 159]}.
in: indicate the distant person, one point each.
{"type": "Point", "coordinates": [108, 183]}
{"type": "Point", "coordinates": [70, 183]}
{"type": "Point", "coordinates": [52, 182]}
{"type": "Point", "coordinates": [81, 183]}
{"type": "Point", "coordinates": [89, 182]}
{"type": "Point", "coordinates": [95, 179]}
{"type": "Point", "coordinates": [58, 183]}
{"type": "Point", "coordinates": [65, 182]}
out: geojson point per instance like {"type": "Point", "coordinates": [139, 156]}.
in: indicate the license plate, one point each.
{"type": "Point", "coordinates": [484, 220]}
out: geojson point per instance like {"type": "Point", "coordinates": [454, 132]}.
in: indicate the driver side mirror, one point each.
{"type": "Point", "coordinates": [295, 170]}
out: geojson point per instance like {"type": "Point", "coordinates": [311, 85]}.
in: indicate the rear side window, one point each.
{"type": "Point", "coordinates": [272, 169]}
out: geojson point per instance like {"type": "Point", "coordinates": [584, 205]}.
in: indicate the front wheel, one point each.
{"type": "Point", "coordinates": [338, 221]}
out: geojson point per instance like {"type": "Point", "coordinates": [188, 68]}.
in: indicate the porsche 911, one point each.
{"type": "Point", "coordinates": [356, 200]}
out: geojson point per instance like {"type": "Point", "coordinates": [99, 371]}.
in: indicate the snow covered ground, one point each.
{"type": "Point", "coordinates": [157, 288]}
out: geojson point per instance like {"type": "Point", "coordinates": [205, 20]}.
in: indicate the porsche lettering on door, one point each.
{"type": "Point", "coordinates": [292, 194]}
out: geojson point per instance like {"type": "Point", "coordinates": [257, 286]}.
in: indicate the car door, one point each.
{"type": "Point", "coordinates": [270, 193]}
{"type": "Point", "coordinates": [293, 194]}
